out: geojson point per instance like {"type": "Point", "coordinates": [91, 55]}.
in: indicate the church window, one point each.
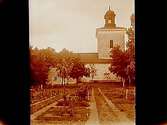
{"type": "Point", "coordinates": [111, 43]}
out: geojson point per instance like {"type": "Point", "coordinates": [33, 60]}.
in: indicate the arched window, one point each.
{"type": "Point", "coordinates": [111, 43]}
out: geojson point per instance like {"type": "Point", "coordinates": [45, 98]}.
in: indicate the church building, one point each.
{"type": "Point", "coordinates": [108, 36]}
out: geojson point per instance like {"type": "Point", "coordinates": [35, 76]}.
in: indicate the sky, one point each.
{"type": "Point", "coordinates": [72, 24]}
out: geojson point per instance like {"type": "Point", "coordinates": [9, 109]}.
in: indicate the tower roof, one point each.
{"type": "Point", "coordinates": [109, 14]}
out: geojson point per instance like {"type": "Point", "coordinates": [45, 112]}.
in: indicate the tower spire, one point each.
{"type": "Point", "coordinates": [109, 18]}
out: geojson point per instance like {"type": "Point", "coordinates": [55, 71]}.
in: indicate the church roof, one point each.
{"type": "Point", "coordinates": [109, 14]}
{"type": "Point", "coordinates": [116, 28]}
{"type": "Point", "coordinates": [88, 58]}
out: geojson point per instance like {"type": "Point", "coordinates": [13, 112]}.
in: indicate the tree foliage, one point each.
{"type": "Point", "coordinates": [66, 63]}
{"type": "Point", "coordinates": [131, 69]}
{"type": "Point", "coordinates": [40, 62]}
{"type": "Point", "coordinates": [119, 62]}
{"type": "Point", "coordinates": [123, 62]}
{"type": "Point", "coordinates": [78, 70]}
{"type": "Point", "coordinates": [92, 71]}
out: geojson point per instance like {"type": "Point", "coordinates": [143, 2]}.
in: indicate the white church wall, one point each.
{"type": "Point", "coordinates": [101, 70]}
{"type": "Point", "coordinates": [103, 39]}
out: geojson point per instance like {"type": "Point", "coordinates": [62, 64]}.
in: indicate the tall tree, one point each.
{"type": "Point", "coordinates": [119, 63]}
{"type": "Point", "coordinates": [78, 70]}
{"type": "Point", "coordinates": [65, 64]}
{"type": "Point", "coordinates": [131, 69]}
{"type": "Point", "coordinates": [40, 62]}
{"type": "Point", "coordinates": [92, 71]}
{"type": "Point", "coordinates": [123, 62]}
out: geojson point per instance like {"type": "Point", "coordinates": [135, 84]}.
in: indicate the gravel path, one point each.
{"type": "Point", "coordinates": [93, 119]}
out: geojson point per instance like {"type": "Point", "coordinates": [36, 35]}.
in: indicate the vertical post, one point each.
{"type": "Point", "coordinates": [126, 97]}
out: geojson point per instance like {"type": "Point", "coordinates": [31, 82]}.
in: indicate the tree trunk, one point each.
{"type": "Point", "coordinates": [62, 81]}
{"type": "Point", "coordinates": [41, 86]}
{"type": "Point", "coordinates": [129, 80]}
{"type": "Point", "coordinates": [123, 82]}
{"type": "Point", "coordinates": [126, 94]}
{"type": "Point", "coordinates": [77, 80]}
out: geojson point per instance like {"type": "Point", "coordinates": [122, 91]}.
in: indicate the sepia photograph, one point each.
{"type": "Point", "coordinates": [82, 62]}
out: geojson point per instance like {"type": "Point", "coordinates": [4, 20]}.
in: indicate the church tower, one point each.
{"type": "Point", "coordinates": [109, 36]}
{"type": "Point", "coordinates": [109, 19]}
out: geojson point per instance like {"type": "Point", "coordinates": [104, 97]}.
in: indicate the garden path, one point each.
{"type": "Point", "coordinates": [93, 119]}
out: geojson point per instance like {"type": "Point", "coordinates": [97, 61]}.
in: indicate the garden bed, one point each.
{"type": "Point", "coordinates": [61, 113]}
{"type": "Point", "coordinates": [117, 96]}
{"type": "Point", "coordinates": [73, 107]}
